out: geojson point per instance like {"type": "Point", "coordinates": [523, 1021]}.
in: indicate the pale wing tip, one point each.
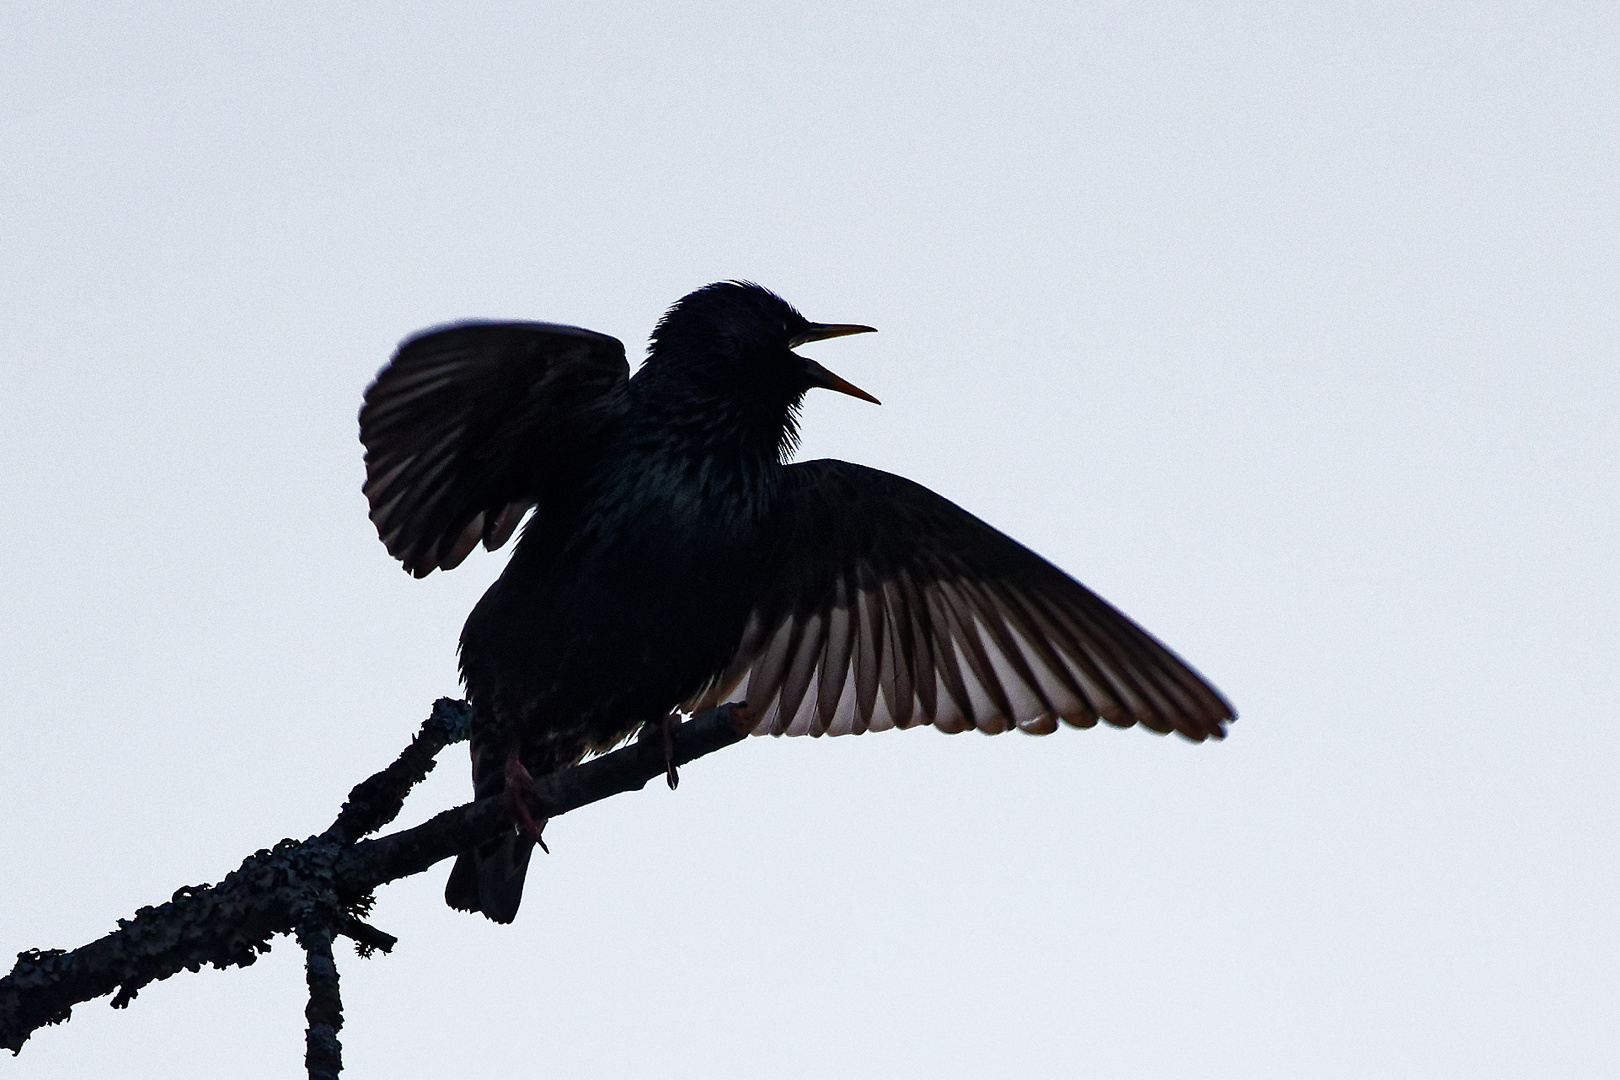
{"type": "Point", "coordinates": [1044, 724]}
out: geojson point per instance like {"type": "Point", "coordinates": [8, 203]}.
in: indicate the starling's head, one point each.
{"type": "Point", "coordinates": [736, 339]}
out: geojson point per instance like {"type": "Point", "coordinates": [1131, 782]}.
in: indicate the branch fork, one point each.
{"type": "Point", "coordinates": [321, 887]}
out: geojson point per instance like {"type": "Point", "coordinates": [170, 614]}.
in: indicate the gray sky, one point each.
{"type": "Point", "coordinates": [1290, 328]}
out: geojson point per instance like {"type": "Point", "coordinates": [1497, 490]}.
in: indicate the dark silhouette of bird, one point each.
{"type": "Point", "coordinates": [676, 560]}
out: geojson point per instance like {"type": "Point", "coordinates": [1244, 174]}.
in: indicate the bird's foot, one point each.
{"type": "Point", "coordinates": [518, 785]}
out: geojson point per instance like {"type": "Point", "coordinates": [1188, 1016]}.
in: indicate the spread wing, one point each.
{"type": "Point", "coordinates": [468, 424]}
{"type": "Point", "coordinates": [888, 606]}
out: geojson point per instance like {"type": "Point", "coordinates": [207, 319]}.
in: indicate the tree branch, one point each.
{"type": "Point", "coordinates": [322, 885]}
{"type": "Point", "coordinates": [323, 1054]}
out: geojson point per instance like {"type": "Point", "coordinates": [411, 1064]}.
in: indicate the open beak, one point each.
{"type": "Point", "coordinates": [820, 376]}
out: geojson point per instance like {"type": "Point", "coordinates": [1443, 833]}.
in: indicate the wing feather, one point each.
{"type": "Point", "coordinates": [966, 620]}
{"type": "Point", "coordinates": [469, 425]}
{"type": "Point", "coordinates": [833, 673]}
{"type": "Point", "coordinates": [868, 665]}
{"type": "Point", "coordinates": [893, 607]}
{"type": "Point", "coordinates": [791, 716]}
{"type": "Point", "coordinates": [902, 667]}
{"type": "Point", "coordinates": [944, 644]}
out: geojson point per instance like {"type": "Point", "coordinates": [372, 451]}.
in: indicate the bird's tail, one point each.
{"type": "Point", "coordinates": [489, 878]}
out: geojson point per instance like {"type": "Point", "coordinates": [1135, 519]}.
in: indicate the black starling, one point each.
{"type": "Point", "coordinates": [675, 560]}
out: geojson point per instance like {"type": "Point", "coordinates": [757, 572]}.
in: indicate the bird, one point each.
{"type": "Point", "coordinates": [676, 557]}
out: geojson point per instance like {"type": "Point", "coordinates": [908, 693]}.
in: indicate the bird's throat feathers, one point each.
{"type": "Point", "coordinates": [678, 408]}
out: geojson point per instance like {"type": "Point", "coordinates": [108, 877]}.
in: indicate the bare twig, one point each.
{"type": "Point", "coordinates": [376, 800]}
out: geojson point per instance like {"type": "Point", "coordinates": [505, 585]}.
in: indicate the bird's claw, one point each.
{"type": "Point", "coordinates": [672, 775]}
{"type": "Point", "coordinates": [518, 786]}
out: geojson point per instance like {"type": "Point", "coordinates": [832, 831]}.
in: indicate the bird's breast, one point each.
{"type": "Point", "coordinates": [665, 498]}
{"type": "Point", "coordinates": [643, 588]}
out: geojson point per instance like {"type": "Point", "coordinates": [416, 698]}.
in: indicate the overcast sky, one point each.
{"type": "Point", "coordinates": [1291, 328]}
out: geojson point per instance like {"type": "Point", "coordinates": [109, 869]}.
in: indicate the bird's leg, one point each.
{"type": "Point", "coordinates": [518, 784]}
